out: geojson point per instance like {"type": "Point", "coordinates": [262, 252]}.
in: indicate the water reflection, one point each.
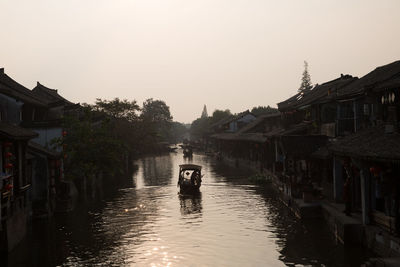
{"type": "Point", "coordinates": [228, 173]}
{"type": "Point", "coordinates": [229, 223]}
{"type": "Point", "coordinates": [188, 159]}
{"type": "Point", "coordinates": [157, 170]}
{"type": "Point", "coordinates": [190, 203]}
{"type": "Point", "coordinates": [299, 242]}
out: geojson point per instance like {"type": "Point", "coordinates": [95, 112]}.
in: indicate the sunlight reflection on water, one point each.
{"type": "Point", "coordinates": [230, 223]}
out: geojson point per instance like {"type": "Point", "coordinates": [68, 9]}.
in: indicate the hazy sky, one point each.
{"type": "Point", "coordinates": [227, 54]}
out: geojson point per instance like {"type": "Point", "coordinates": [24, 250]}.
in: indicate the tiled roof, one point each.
{"type": "Point", "coordinates": [319, 94]}
{"type": "Point", "coordinates": [371, 143]}
{"type": "Point", "coordinates": [15, 132]}
{"type": "Point", "coordinates": [297, 128]}
{"type": "Point", "coordinates": [49, 95]}
{"type": "Point", "coordinates": [374, 78]}
{"type": "Point", "coordinates": [259, 120]}
{"type": "Point", "coordinates": [261, 137]}
{"type": "Point", "coordinates": [10, 87]}
{"type": "Point", "coordinates": [390, 84]}
{"type": "Point", "coordinates": [289, 103]}
{"type": "Point", "coordinates": [231, 118]}
{"type": "Point", "coordinates": [254, 137]}
{"type": "Point", "coordinates": [35, 147]}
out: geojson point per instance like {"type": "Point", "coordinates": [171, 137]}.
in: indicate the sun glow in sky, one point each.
{"type": "Point", "coordinates": [227, 54]}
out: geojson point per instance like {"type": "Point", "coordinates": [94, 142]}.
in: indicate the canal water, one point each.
{"type": "Point", "coordinates": [231, 223]}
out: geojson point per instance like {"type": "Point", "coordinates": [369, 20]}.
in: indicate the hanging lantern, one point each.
{"type": "Point", "coordinates": [8, 155]}
{"type": "Point", "coordinates": [64, 133]}
{"type": "Point", "coordinates": [8, 166]}
{"type": "Point", "coordinates": [372, 169]}
{"type": "Point", "coordinates": [8, 187]}
{"type": "Point", "coordinates": [375, 170]}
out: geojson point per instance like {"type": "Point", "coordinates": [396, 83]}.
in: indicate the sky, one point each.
{"type": "Point", "coordinates": [225, 54]}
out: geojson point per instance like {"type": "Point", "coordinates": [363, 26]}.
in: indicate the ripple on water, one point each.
{"type": "Point", "coordinates": [231, 223]}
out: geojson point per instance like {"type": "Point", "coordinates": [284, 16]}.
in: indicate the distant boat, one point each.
{"type": "Point", "coordinates": [190, 177]}
{"type": "Point", "coordinates": [166, 147]}
{"type": "Point", "coordinates": [187, 150]}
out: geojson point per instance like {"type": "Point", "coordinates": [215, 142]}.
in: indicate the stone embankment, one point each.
{"type": "Point", "coordinates": [347, 229]}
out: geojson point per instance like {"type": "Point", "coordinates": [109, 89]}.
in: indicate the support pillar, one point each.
{"type": "Point", "coordinates": [20, 167]}
{"type": "Point", "coordinates": [365, 200]}
{"type": "Point", "coordinates": [337, 180]}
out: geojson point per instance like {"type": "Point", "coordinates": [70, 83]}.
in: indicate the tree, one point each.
{"type": "Point", "coordinates": [138, 131]}
{"type": "Point", "coordinates": [157, 118]}
{"type": "Point", "coordinates": [218, 115]}
{"type": "Point", "coordinates": [156, 111]}
{"type": "Point", "coordinates": [117, 108]}
{"type": "Point", "coordinates": [126, 124]}
{"type": "Point", "coordinates": [200, 128]}
{"type": "Point", "coordinates": [107, 134]}
{"type": "Point", "coordinates": [306, 84]}
{"type": "Point", "coordinates": [204, 114]}
{"type": "Point", "coordinates": [177, 132]}
{"type": "Point", "coordinates": [263, 110]}
{"type": "Point", "coordinates": [89, 146]}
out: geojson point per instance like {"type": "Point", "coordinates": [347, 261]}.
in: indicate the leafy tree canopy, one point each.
{"type": "Point", "coordinates": [89, 146]}
{"type": "Point", "coordinates": [117, 108]}
{"type": "Point", "coordinates": [219, 115]}
{"type": "Point", "coordinates": [200, 127]}
{"type": "Point", "coordinates": [260, 110]}
{"type": "Point", "coordinates": [156, 111]}
{"type": "Point", "coordinates": [177, 132]}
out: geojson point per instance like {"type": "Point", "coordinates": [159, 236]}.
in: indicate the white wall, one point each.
{"type": "Point", "coordinates": [46, 135]}
{"type": "Point", "coordinates": [247, 118]}
{"type": "Point", "coordinates": [233, 126]}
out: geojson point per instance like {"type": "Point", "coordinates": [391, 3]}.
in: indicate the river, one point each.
{"type": "Point", "coordinates": [231, 223]}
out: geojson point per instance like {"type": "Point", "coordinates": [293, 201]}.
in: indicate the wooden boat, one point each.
{"type": "Point", "coordinates": [189, 177]}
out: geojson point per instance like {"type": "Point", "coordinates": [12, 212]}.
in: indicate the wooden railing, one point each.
{"type": "Point", "coordinates": [384, 221]}
{"type": "Point", "coordinates": [24, 188]}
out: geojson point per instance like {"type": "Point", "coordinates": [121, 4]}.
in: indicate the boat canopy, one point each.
{"type": "Point", "coordinates": [190, 167]}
